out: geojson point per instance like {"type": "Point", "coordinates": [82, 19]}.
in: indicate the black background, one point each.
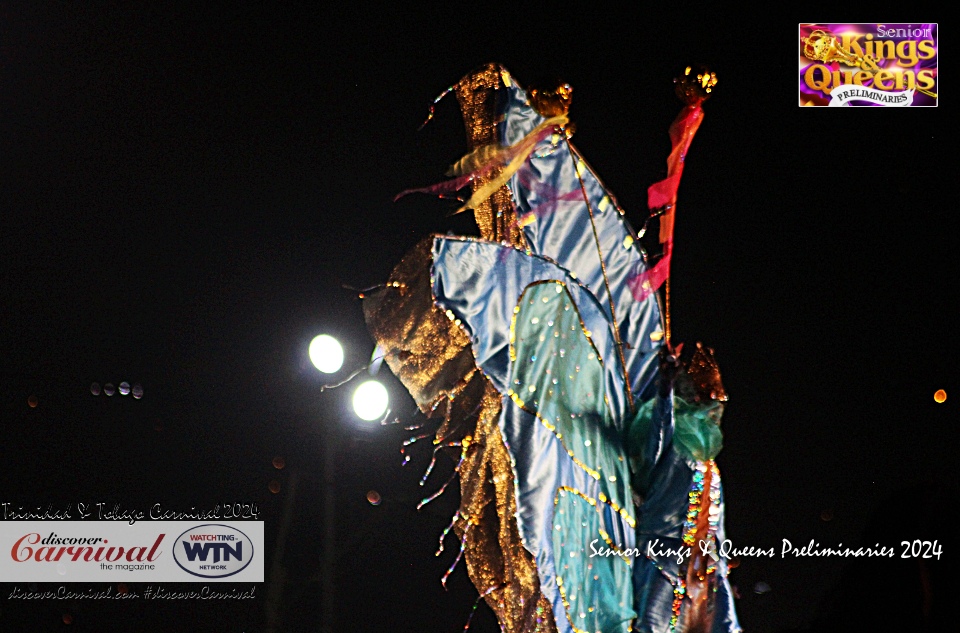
{"type": "Point", "coordinates": [185, 191]}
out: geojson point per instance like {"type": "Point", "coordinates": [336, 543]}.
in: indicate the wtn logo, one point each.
{"type": "Point", "coordinates": [201, 550]}
{"type": "Point", "coordinates": [213, 551]}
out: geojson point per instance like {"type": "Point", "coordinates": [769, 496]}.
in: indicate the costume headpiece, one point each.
{"type": "Point", "coordinates": [701, 382]}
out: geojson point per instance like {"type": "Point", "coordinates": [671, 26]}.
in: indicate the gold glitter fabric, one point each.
{"type": "Point", "coordinates": [432, 357]}
{"type": "Point", "coordinates": [704, 373]}
{"type": "Point", "coordinates": [477, 95]}
{"type": "Point", "coordinates": [428, 352]}
{"type": "Point", "coordinates": [493, 550]}
{"type": "Point", "coordinates": [495, 556]}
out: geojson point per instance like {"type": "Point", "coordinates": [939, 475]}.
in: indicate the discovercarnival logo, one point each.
{"type": "Point", "coordinates": [56, 549]}
{"type": "Point", "coordinates": [213, 551]}
{"type": "Point", "coordinates": [868, 64]}
{"type": "Point", "coordinates": [117, 551]}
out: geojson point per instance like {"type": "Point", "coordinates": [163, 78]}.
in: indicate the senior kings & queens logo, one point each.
{"type": "Point", "coordinates": [868, 64]}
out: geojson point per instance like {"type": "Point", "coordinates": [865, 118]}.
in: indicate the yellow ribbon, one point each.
{"type": "Point", "coordinates": [488, 154]}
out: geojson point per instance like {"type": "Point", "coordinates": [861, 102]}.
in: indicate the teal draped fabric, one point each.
{"type": "Point", "coordinates": [558, 374]}
{"type": "Point", "coordinates": [481, 282]}
{"type": "Point", "coordinates": [572, 439]}
{"type": "Point", "coordinates": [527, 319]}
{"type": "Point", "coordinates": [542, 330]}
{"type": "Point", "coordinates": [696, 434]}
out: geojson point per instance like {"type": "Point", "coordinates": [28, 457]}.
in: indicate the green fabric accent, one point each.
{"type": "Point", "coordinates": [558, 375]}
{"type": "Point", "coordinates": [696, 433]}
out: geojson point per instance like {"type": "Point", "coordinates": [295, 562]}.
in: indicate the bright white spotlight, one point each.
{"type": "Point", "coordinates": [326, 354]}
{"type": "Point", "coordinates": [370, 400]}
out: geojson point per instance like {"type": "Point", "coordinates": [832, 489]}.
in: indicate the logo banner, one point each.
{"type": "Point", "coordinates": [113, 551]}
{"type": "Point", "coordinates": [868, 64]}
{"type": "Point", "coordinates": [844, 96]}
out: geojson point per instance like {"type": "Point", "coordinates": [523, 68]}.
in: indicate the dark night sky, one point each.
{"type": "Point", "coordinates": [185, 192]}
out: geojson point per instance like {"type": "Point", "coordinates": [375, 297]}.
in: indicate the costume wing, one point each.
{"type": "Point", "coordinates": [552, 356]}
{"type": "Point", "coordinates": [556, 192]}
{"type": "Point", "coordinates": [566, 330]}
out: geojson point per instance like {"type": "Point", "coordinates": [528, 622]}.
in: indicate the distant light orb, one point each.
{"type": "Point", "coordinates": [32, 402]}
{"type": "Point", "coordinates": [95, 388]}
{"type": "Point", "coordinates": [326, 354]}
{"type": "Point", "coordinates": [109, 389]}
{"type": "Point", "coordinates": [373, 498]}
{"type": "Point", "coordinates": [124, 388]}
{"type": "Point", "coordinates": [370, 400]}
{"type": "Point", "coordinates": [274, 486]}
{"type": "Point", "coordinates": [137, 391]}
{"type": "Point", "coordinates": [940, 397]}
{"type": "Point", "coordinates": [279, 463]}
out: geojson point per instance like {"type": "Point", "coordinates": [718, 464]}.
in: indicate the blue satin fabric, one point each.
{"type": "Point", "coordinates": [654, 604]}
{"type": "Point", "coordinates": [663, 471]}
{"type": "Point", "coordinates": [481, 283]}
{"type": "Point", "coordinates": [556, 223]}
{"type": "Point", "coordinates": [487, 286]}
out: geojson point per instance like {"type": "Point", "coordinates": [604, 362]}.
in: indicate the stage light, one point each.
{"type": "Point", "coordinates": [326, 354]}
{"type": "Point", "coordinates": [370, 400]}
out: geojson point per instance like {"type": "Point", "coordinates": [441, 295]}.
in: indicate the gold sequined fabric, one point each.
{"type": "Point", "coordinates": [495, 556]}
{"type": "Point", "coordinates": [494, 552]}
{"type": "Point", "coordinates": [705, 375]}
{"type": "Point", "coordinates": [432, 357]}
{"type": "Point", "coordinates": [477, 95]}
{"type": "Point", "coordinates": [553, 100]}
{"type": "Point", "coordinates": [428, 352]}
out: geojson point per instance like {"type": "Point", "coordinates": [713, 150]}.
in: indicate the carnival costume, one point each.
{"type": "Point", "coordinates": [543, 346]}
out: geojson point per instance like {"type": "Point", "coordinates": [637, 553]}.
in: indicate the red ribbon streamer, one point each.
{"type": "Point", "coordinates": [663, 194]}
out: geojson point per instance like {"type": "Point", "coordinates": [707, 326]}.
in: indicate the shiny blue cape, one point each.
{"type": "Point", "coordinates": [542, 330]}
{"type": "Point", "coordinates": [562, 419]}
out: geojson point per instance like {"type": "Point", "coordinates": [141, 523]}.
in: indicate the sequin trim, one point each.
{"type": "Point", "coordinates": [606, 537]}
